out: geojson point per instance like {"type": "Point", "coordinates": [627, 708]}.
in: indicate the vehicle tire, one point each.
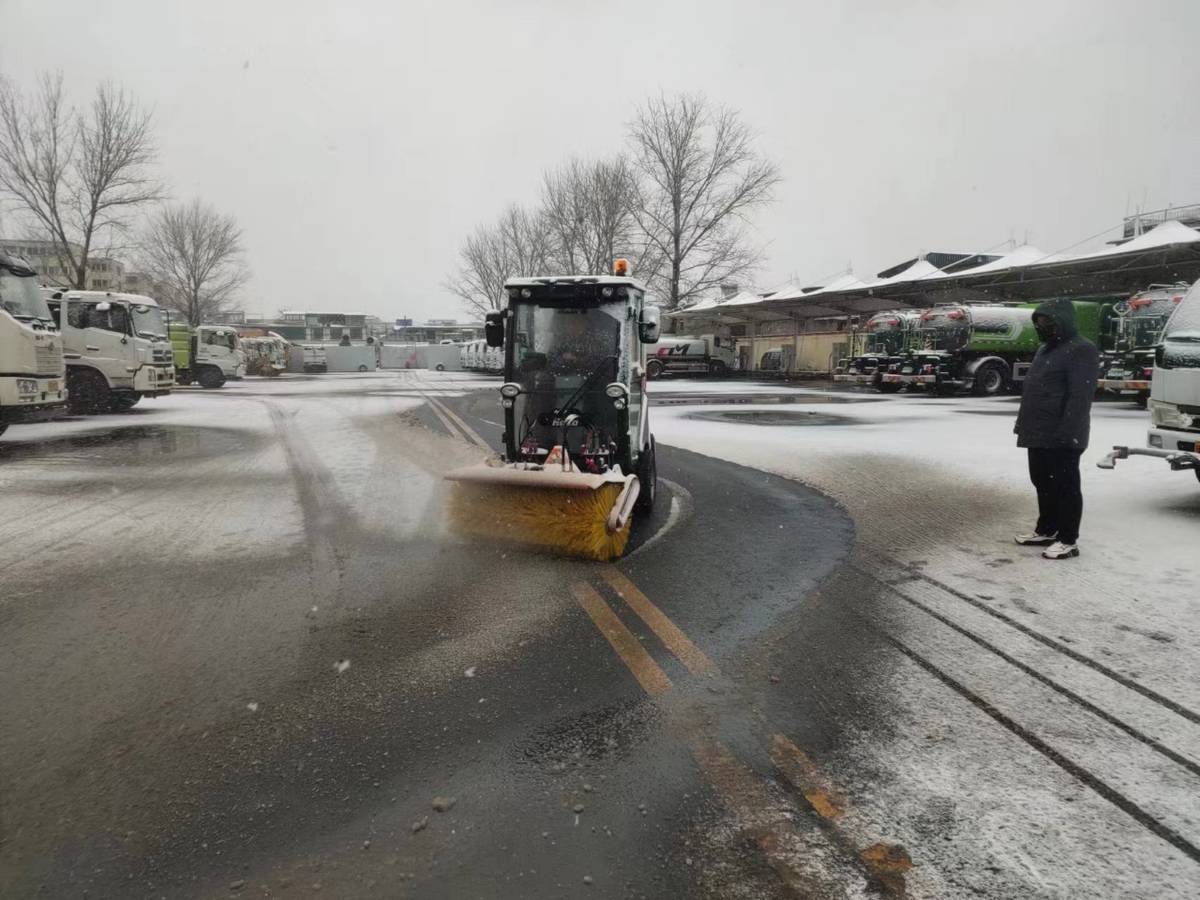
{"type": "Point", "coordinates": [123, 402]}
{"type": "Point", "coordinates": [990, 380]}
{"type": "Point", "coordinates": [889, 387]}
{"type": "Point", "coordinates": [88, 393]}
{"type": "Point", "coordinates": [362, 368]}
{"type": "Point", "coordinates": [3, 427]}
{"type": "Point", "coordinates": [647, 473]}
{"type": "Point", "coordinates": [210, 378]}
{"type": "Point", "coordinates": [718, 369]}
{"type": "Point", "coordinates": [654, 369]}
{"type": "Point", "coordinates": [1143, 400]}
{"type": "Point", "coordinates": [440, 368]}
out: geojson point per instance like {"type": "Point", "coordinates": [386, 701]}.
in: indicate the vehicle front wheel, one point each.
{"type": "Point", "coordinates": [1143, 400]}
{"type": "Point", "coordinates": [654, 369]}
{"type": "Point", "coordinates": [647, 473]}
{"type": "Point", "coordinates": [211, 378]}
{"type": "Point", "coordinates": [123, 402]}
{"type": "Point", "coordinates": [88, 393]}
{"type": "Point", "coordinates": [990, 380]}
{"type": "Point", "coordinates": [718, 369]}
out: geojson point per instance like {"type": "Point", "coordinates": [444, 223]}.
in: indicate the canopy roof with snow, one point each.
{"type": "Point", "coordinates": [1167, 253]}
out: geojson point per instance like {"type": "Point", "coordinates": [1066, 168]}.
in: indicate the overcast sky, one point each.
{"type": "Point", "coordinates": [358, 141]}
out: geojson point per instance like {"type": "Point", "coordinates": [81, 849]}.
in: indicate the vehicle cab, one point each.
{"type": "Point", "coordinates": [573, 373]}
{"type": "Point", "coordinates": [116, 346]}
{"type": "Point", "coordinates": [32, 379]}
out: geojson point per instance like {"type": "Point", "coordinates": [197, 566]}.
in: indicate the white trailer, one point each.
{"type": "Point", "coordinates": [443, 357]}
{"type": "Point", "coordinates": [355, 358]}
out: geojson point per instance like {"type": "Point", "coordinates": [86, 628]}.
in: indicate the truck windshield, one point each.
{"type": "Point", "coordinates": [557, 350]}
{"type": "Point", "coordinates": [1181, 337]}
{"type": "Point", "coordinates": [150, 321]}
{"type": "Point", "coordinates": [884, 335]}
{"type": "Point", "coordinates": [20, 296]}
{"type": "Point", "coordinates": [945, 329]}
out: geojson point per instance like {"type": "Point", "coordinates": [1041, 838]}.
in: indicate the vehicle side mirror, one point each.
{"type": "Point", "coordinates": [493, 328]}
{"type": "Point", "coordinates": [649, 325]}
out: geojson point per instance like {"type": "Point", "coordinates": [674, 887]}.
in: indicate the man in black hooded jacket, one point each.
{"type": "Point", "coordinates": [1054, 422]}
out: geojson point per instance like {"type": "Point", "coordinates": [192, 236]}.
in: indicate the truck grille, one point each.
{"type": "Point", "coordinates": [49, 362]}
{"type": "Point", "coordinates": [162, 357]}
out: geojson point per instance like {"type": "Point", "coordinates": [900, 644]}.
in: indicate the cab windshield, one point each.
{"type": "Point", "coordinates": [566, 355]}
{"type": "Point", "coordinates": [20, 296]}
{"type": "Point", "coordinates": [884, 335]}
{"type": "Point", "coordinates": [945, 329]}
{"type": "Point", "coordinates": [150, 321]}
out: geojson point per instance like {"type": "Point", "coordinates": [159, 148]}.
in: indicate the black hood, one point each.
{"type": "Point", "coordinates": [1061, 311]}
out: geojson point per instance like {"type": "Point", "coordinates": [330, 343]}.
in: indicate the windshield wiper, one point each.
{"type": "Point", "coordinates": [587, 383]}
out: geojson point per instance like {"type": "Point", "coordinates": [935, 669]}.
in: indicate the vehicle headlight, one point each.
{"type": "Point", "coordinates": [510, 391]}
{"type": "Point", "coordinates": [26, 386]}
{"type": "Point", "coordinates": [619, 403]}
{"type": "Point", "coordinates": [1167, 415]}
{"type": "Point", "coordinates": [615, 390]}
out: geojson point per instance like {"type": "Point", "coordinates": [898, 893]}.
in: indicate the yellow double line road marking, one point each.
{"type": "Point", "coordinates": [787, 851]}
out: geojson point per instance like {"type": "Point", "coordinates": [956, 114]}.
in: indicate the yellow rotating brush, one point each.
{"type": "Point", "coordinates": [564, 520]}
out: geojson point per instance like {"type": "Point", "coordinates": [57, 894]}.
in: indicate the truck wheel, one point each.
{"type": "Point", "coordinates": [1143, 400]}
{"type": "Point", "coordinates": [990, 380]}
{"type": "Point", "coordinates": [654, 369]}
{"type": "Point", "coordinates": [211, 378]}
{"type": "Point", "coordinates": [88, 393]}
{"type": "Point", "coordinates": [718, 369]}
{"type": "Point", "coordinates": [439, 367]}
{"type": "Point", "coordinates": [647, 473]}
{"type": "Point", "coordinates": [362, 368]}
{"type": "Point", "coordinates": [123, 402]}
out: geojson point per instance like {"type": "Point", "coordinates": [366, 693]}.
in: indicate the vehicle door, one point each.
{"type": "Point", "coordinates": [100, 338]}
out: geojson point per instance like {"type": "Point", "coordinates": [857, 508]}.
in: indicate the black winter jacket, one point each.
{"type": "Point", "coordinates": [1056, 399]}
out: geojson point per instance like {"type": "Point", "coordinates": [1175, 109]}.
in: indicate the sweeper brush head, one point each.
{"type": "Point", "coordinates": [564, 521]}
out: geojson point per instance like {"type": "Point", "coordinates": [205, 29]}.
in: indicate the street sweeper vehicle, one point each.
{"type": "Point", "coordinates": [579, 457]}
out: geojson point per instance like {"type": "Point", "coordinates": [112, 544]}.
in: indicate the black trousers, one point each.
{"type": "Point", "coordinates": [1055, 474]}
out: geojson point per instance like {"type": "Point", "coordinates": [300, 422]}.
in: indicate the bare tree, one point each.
{"type": "Point", "coordinates": [589, 209]}
{"type": "Point", "coordinates": [78, 177]}
{"type": "Point", "coordinates": [195, 254]}
{"type": "Point", "coordinates": [517, 244]}
{"type": "Point", "coordinates": [701, 178]}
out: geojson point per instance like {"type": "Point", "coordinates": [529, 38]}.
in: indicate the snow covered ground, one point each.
{"type": "Point", "coordinates": [1092, 664]}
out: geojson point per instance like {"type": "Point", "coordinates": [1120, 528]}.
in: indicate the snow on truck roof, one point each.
{"type": "Point", "coordinates": [133, 299]}
{"type": "Point", "coordinates": [542, 280]}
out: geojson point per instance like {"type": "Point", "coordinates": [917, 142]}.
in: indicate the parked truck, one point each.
{"type": "Point", "coordinates": [1138, 328]}
{"type": "Point", "coordinates": [33, 384]}
{"type": "Point", "coordinates": [881, 340]}
{"type": "Point", "coordinates": [208, 355]}
{"type": "Point", "coordinates": [986, 349]}
{"type": "Point", "coordinates": [1174, 434]}
{"type": "Point", "coordinates": [116, 348]}
{"type": "Point", "coordinates": [678, 355]}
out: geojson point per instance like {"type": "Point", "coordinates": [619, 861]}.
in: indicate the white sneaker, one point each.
{"type": "Point", "coordinates": [1059, 550]}
{"type": "Point", "coordinates": [1034, 539]}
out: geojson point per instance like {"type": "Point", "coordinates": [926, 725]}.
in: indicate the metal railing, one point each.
{"type": "Point", "coordinates": [1140, 223]}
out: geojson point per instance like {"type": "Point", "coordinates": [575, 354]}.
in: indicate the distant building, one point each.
{"type": "Point", "coordinates": [103, 273]}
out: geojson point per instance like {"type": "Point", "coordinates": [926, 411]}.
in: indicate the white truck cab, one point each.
{"type": "Point", "coordinates": [32, 381]}
{"type": "Point", "coordinates": [1174, 433]}
{"type": "Point", "coordinates": [116, 347]}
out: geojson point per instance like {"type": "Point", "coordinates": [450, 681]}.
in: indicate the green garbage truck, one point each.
{"type": "Point", "coordinates": [985, 349]}
{"type": "Point", "coordinates": [208, 355]}
{"type": "Point", "coordinates": [881, 340]}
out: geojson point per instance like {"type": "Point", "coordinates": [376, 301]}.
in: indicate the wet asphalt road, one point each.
{"type": "Point", "coordinates": [187, 731]}
{"type": "Point", "coordinates": [241, 658]}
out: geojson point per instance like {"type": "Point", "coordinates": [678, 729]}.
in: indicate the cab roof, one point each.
{"type": "Point", "coordinates": [543, 280]}
{"type": "Point", "coordinates": [135, 299]}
